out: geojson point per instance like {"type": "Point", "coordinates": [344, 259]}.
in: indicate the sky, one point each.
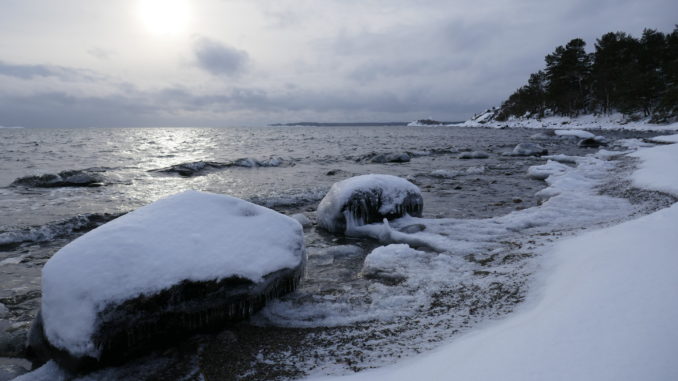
{"type": "Point", "coordinates": [125, 63]}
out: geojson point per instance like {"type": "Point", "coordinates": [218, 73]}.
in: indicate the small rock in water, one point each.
{"type": "Point", "coordinates": [414, 228]}
{"type": "Point", "coordinates": [303, 220]}
{"type": "Point", "coordinates": [187, 263]}
{"type": "Point", "coordinates": [367, 199]}
{"type": "Point", "coordinates": [473, 155]}
{"type": "Point", "coordinates": [401, 157]}
{"type": "Point", "coordinates": [528, 149]}
{"type": "Point", "coordinates": [192, 168]}
{"type": "Point", "coordinates": [591, 143]}
{"type": "Point", "coordinates": [75, 178]}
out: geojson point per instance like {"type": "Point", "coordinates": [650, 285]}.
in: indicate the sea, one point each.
{"type": "Point", "coordinates": [339, 320]}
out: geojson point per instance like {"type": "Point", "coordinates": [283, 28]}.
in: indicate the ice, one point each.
{"type": "Point", "coordinates": [577, 133]}
{"type": "Point", "coordinates": [604, 307]}
{"type": "Point", "coordinates": [392, 261]}
{"type": "Point", "coordinates": [191, 236]}
{"type": "Point", "coordinates": [527, 149]}
{"type": "Point", "coordinates": [367, 198]}
{"type": "Point", "coordinates": [541, 172]}
{"type": "Point", "coordinates": [571, 202]}
{"type": "Point", "coordinates": [606, 310]}
{"type": "Point", "coordinates": [473, 155]}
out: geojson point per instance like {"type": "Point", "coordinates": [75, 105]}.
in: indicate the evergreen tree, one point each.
{"type": "Point", "coordinates": [668, 105]}
{"type": "Point", "coordinates": [567, 72]}
{"type": "Point", "coordinates": [613, 58]}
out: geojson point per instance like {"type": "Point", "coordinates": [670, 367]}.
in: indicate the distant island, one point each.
{"type": "Point", "coordinates": [337, 124]}
{"type": "Point", "coordinates": [420, 122]}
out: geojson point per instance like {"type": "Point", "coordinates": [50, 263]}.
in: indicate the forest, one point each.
{"type": "Point", "coordinates": [637, 77]}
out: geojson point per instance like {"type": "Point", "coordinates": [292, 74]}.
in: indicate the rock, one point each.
{"type": "Point", "coordinates": [12, 339]}
{"type": "Point", "coordinates": [389, 157]}
{"type": "Point", "coordinates": [192, 168]}
{"type": "Point", "coordinates": [367, 199]}
{"type": "Point", "coordinates": [192, 262]}
{"type": "Point", "coordinates": [74, 178]}
{"type": "Point", "coordinates": [303, 220]}
{"type": "Point", "coordinates": [594, 142]}
{"type": "Point", "coordinates": [414, 228]}
{"type": "Point", "coordinates": [473, 155]}
{"type": "Point", "coordinates": [401, 157]}
{"type": "Point", "coordinates": [528, 149]}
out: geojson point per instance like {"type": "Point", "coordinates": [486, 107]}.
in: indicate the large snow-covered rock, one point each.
{"type": "Point", "coordinates": [367, 199]}
{"type": "Point", "coordinates": [186, 263]}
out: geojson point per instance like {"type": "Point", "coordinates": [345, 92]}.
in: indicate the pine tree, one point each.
{"type": "Point", "coordinates": [567, 73]}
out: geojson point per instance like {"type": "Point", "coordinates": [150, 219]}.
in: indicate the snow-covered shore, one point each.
{"type": "Point", "coordinates": [604, 307]}
{"type": "Point", "coordinates": [588, 122]}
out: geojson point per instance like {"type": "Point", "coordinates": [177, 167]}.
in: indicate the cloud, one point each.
{"type": "Point", "coordinates": [219, 59]}
{"type": "Point", "coordinates": [59, 72]}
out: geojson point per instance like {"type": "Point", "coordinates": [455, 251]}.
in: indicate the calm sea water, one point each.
{"type": "Point", "coordinates": [36, 222]}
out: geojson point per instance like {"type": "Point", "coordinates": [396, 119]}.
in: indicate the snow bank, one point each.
{"type": "Point", "coordinates": [658, 166]}
{"type": "Point", "coordinates": [189, 236]}
{"type": "Point", "coordinates": [367, 198]}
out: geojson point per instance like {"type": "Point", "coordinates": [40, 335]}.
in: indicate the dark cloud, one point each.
{"type": "Point", "coordinates": [219, 59]}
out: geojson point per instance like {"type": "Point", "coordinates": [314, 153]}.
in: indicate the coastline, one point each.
{"type": "Point", "coordinates": [603, 309]}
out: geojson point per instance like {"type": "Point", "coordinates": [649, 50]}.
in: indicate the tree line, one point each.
{"type": "Point", "coordinates": [637, 77]}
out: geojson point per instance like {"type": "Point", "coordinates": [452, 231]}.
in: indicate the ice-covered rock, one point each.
{"type": "Point", "coordinates": [186, 263]}
{"type": "Point", "coordinates": [425, 122]}
{"type": "Point", "coordinates": [73, 178]}
{"type": "Point", "coordinates": [528, 149]}
{"type": "Point", "coordinates": [473, 155]}
{"type": "Point", "coordinates": [366, 199]}
{"type": "Point", "coordinates": [541, 172]}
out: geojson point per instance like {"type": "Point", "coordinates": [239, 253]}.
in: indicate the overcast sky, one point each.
{"type": "Point", "coordinates": [79, 63]}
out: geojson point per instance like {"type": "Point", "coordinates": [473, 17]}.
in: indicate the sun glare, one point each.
{"type": "Point", "coordinates": [164, 17]}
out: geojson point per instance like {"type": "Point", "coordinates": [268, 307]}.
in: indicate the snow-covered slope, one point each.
{"type": "Point", "coordinates": [589, 122]}
{"type": "Point", "coordinates": [605, 310]}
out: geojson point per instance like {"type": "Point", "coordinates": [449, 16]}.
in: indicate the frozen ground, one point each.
{"type": "Point", "coordinates": [604, 309]}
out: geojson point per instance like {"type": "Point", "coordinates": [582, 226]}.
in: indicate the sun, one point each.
{"type": "Point", "coordinates": [164, 17]}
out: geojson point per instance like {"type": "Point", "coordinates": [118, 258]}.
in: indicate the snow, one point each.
{"type": "Point", "coordinates": [577, 133]}
{"type": "Point", "coordinates": [604, 309]}
{"type": "Point", "coordinates": [189, 236]}
{"type": "Point", "coordinates": [394, 190]}
{"type": "Point", "coordinates": [583, 122]}
{"type": "Point", "coordinates": [541, 172]}
{"type": "Point", "coordinates": [658, 166]}
{"type": "Point", "coordinates": [390, 261]}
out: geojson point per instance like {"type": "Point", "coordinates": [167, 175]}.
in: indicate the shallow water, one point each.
{"type": "Point", "coordinates": [36, 222]}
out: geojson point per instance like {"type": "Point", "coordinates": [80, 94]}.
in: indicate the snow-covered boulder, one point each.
{"type": "Point", "coordinates": [186, 263]}
{"type": "Point", "coordinates": [528, 149]}
{"type": "Point", "coordinates": [367, 199]}
{"type": "Point", "coordinates": [391, 263]}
